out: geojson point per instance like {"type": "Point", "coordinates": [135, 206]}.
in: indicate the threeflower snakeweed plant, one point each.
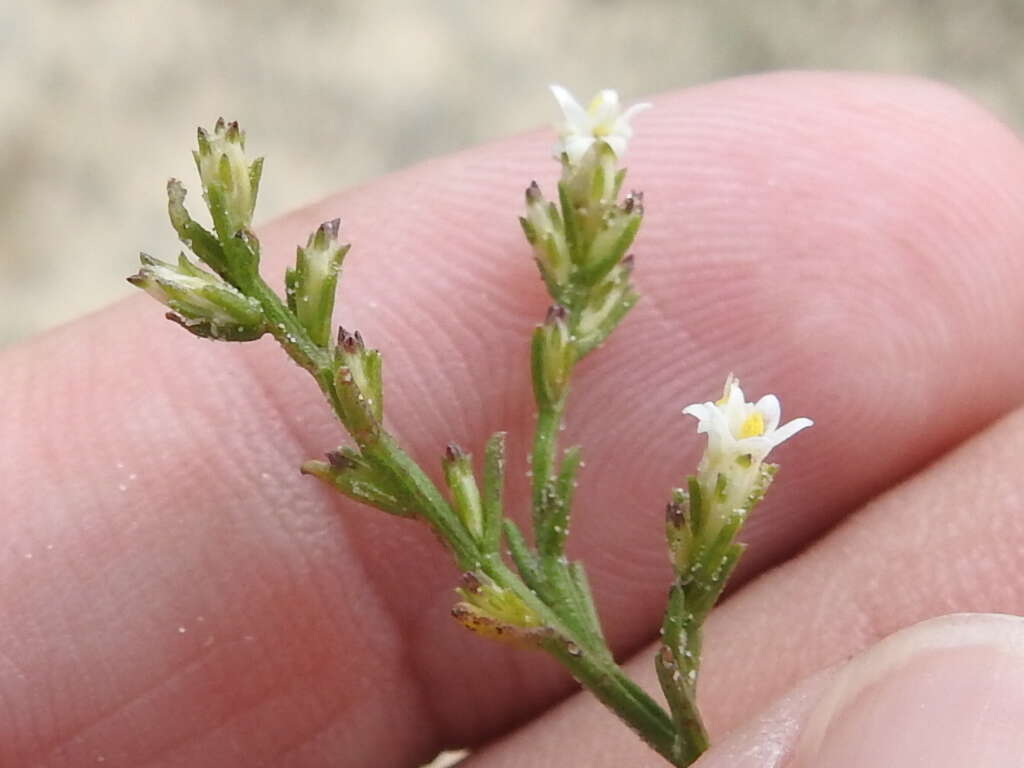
{"type": "Point", "coordinates": [512, 587]}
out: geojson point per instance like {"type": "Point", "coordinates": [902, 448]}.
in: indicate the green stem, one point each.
{"type": "Point", "coordinates": [292, 336]}
{"type": "Point", "coordinates": [545, 441]}
{"type": "Point", "coordinates": [432, 505]}
{"type": "Point", "coordinates": [688, 718]}
{"type": "Point", "coordinates": [598, 672]}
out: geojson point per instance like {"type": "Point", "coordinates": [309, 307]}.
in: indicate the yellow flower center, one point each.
{"type": "Point", "coordinates": [602, 129]}
{"type": "Point", "coordinates": [753, 426]}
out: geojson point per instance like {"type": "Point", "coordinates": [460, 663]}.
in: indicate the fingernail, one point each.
{"type": "Point", "coordinates": [943, 693]}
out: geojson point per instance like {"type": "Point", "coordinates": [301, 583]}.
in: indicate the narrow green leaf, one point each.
{"type": "Point", "coordinates": [255, 174]}
{"type": "Point", "coordinates": [586, 599]}
{"type": "Point", "coordinates": [551, 527]}
{"type": "Point", "coordinates": [524, 560]}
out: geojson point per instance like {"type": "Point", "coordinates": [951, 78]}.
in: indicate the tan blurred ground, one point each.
{"type": "Point", "coordinates": [98, 100]}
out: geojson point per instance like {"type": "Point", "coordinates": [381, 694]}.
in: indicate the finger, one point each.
{"type": "Point", "coordinates": [945, 693]}
{"type": "Point", "coordinates": [947, 540]}
{"type": "Point", "coordinates": [287, 622]}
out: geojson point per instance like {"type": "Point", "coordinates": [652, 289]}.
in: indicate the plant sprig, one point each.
{"type": "Point", "coordinates": [538, 598]}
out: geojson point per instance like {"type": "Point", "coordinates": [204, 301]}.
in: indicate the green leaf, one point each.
{"type": "Point", "coordinates": [586, 598]}
{"type": "Point", "coordinates": [525, 560]}
{"type": "Point", "coordinates": [551, 525]}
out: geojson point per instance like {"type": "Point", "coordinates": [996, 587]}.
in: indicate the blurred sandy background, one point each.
{"type": "Point", "coordinates": [99, 100]}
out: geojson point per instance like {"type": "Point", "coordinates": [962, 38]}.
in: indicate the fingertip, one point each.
{"type": "Point", "coordinates": [944, 692]}
{"type": "Point", "coordinates": [948, 691]}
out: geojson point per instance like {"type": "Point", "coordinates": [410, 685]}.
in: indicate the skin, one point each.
{"type": "Point", "coordinates": [180, 596]}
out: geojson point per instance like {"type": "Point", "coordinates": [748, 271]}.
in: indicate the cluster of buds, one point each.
{"type": "Point", "coordinates": [201, 302]}
{"type": "Point", "coordinates": [581, 244]}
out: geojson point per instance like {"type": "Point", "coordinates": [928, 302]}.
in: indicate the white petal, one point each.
{"type": "Point", "coordinates": [718, 424]}
{"type": "Point", "coordinates": [634, 110]}
{"type": "Point", "coordinates": [735, 408]}
{"type": "Point", "coordinates": [604, 107]}
{"type": "Point", "coordinates": [734, 393]}
{"type": "Point", "coordinates": [786, 431]}
{"type": "Point", "coordinates": [699, 411]}
{"type": "Point", "coordinates": [771, 410]}
{"type": "Point", "coordinates": [575, 115]}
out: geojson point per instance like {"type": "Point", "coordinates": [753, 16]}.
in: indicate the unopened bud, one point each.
{"type": "Point", "coordinates": [313, 281]}
{"type": "Point", "coordinates": [359, 383]}
{"type": "Point", "coordinates": [545, 231]}
{"type": "Point", "coordinates": [230, 181]}
{"type": "Point", "coordinates": [610, 244]}
{"type": "Point", "coordinates": [348, 472]}
{"type": "Point", "coordinates": [607, 303]}
{"type": "Point", "coordinates": [494, 611]}
{"type": "Point", "coordinates": [458, 474]}
{"type": "Point", "coordinates": [553, 355]}
{"type": "Point", "coordinates": [202, 302]}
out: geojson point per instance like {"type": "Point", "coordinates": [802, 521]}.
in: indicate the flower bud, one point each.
{"type": "Point", "coordinates": [493, 611]}
{"type": "Point", "coordinates": [545, 231]}
{"type": "Point", "coordinates": [202, 302]}
{"type": "Point", "coordinates": [611, 242]}
{"type": "Point", "coordinates": [230, 181]}
{"type": "Point", "coordinates": [312, 282]}
{"type": "Point", "coordinates": [359, 385]}
{"type": "Point", "coordinates": [553, 356]}
{"type": "Point", "coordinates": [607, 303]}
{"type": "Point", "coordinates": [458, 474]}
{"type": "Point", "coordinates": [348, 472]}
{"type": "Point", "coordinates": [592, 184]}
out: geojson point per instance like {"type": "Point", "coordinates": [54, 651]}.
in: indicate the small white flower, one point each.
{"type": "Point", "coordinates": [737, 429]}
{"type": "Point", "coordinates": [602, 120]}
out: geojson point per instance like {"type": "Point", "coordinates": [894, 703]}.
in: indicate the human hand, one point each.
{"type": "Point", "coordinates": [181, 596]}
